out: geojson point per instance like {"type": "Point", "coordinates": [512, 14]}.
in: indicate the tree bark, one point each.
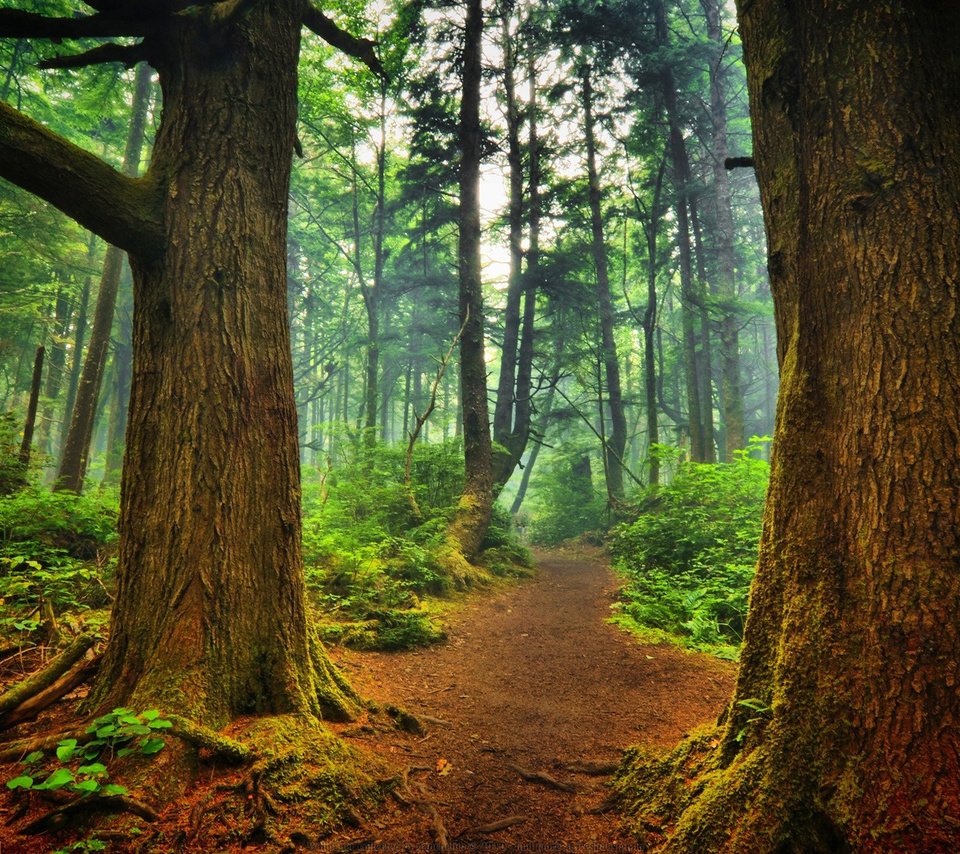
{"type": "Point", "coordinates": [613, 466]}
{"type": "Point", "coordinates": [853, 634]}
{"type": "Point", "coordinates": [472, 517]}
{"type": "Point", "coordinates": [209, 616]}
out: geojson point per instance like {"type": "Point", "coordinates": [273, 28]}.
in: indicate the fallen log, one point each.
{"type": "Point", "coordinates": [32, 706]}
{"type": "Point", "coordinates": [46, 676]}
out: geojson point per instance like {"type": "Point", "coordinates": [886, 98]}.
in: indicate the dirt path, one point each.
{"type": "Point", "coordinates": [534, 678]}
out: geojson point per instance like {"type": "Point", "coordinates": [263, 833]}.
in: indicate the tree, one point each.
{"type": "Point", "coordinates": [843, 730]}
{"type": "Point", "coordinates": [209, 615]}
{"type": "Point", "coordinates": [469, 525]}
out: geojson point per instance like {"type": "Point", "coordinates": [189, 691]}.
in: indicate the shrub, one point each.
{"type": "Point", "coordinates": [566, 504]}
{"type": "Point", "coordinates": [689, 554]}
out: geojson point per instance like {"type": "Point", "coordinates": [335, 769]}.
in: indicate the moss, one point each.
{"type": "Point", "coordinates": [390, 629]}
{"type": "Point", "coordinates": [306, 768]}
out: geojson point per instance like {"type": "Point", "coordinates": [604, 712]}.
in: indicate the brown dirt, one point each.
{"type": "Point", "coordinates": [531, 677]}
{"type": "Point", "coordinates": [534, 677]}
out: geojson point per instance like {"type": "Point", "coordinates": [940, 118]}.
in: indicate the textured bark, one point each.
{"type": "Point", "coordinates": [469, 524]}
{"type": "Point", "coordinates": [209, 616]}
{"type": "Point", "coordinates": [853, 635]}
{"type": "Point", "coordinates": [76, 446]}
{"type": "Point", "coordinates": [613, 449]}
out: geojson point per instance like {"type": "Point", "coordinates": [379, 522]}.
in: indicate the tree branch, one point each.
{"type": "Point", "coordinates": [15, 23]}
{"type": "Point", "coordinates": [123, 211]}
{"type": "Point", "coordinates": [362, 49]}
{"type": "Point", "coordinates": [129, 55]}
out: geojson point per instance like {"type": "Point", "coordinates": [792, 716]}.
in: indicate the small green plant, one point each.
{"type": "Point", "coordinates": [84, 846]}
{"type": "Point", "coordinates": [688, 556]}
{"type": "Point", "coordinates": [761, 712]}
{"type": "Point", "coordinates": [80, 766]}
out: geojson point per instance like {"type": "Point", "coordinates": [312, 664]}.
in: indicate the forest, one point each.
{"type": "Point", "coordinates": [458, 424]}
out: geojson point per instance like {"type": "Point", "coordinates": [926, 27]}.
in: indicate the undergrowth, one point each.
{"type": "Point", "coordinates": [688, 555]}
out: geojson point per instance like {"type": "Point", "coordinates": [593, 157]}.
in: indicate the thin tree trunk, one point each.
{"type": "Point", "coordinates": [469, 524]}
{"type": "Point", "coordinates": [76, 446]}
{"type": "Point", "coordinates": [28, 426]}
{"type": "Point", "coordinates": [123, 365]}
{"type": "Point", "coordinates": [705, 355]}
{"type": "Point", "coordinates": [680, 164]}
{"type": "Point", "coordinates": [726, 284]}
{"type": "Point", "coordinates": [611, 364]}
{"type": "Point", "coordinates": [80, 334]}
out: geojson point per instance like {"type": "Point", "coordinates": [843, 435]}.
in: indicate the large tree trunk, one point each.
{"type": "Point", "coordinates": [614, 449]}
{"type": "Point", "coordinates": [853, 636]}
{"type": "Point", "coordinates": [209, 617]}
{"type": "Point", "coordinates": [469, 524]}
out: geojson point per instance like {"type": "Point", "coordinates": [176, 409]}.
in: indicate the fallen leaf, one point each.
{"type": "Point", "coordinates": [443, 767]}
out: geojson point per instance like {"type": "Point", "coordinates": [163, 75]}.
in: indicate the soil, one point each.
{"type": "Point", "coordinates": [531, 681]}
{"type": "Point", "coordinates": [532, 677]}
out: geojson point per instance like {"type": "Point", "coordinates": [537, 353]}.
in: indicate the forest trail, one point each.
{"type": "Point", "coordinates": [531, 678]}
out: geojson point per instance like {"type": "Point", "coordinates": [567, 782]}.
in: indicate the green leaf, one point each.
{"type": "Point", "coordinates": [86, 786]}
{"type": "Point", "coordinates": [31, 758]}
{"type": "Point", "coordinates": [133, 720]}
{"type": "Point", "coordinates": [122, 710]}
{"type": "Point", "coordinates": [124, 751]}
{"type": "Point", "coordinates": [23, 782]}
{"type": "Point", "coordinates": [57, 780]}
{"type": "Point", "coordinates": [150, 715]}
{"type": "Point", "coordinates": [140, 729]}
{"type": "Point", "coordinates": [93, 768]}
{"type": "Point", "coordinates": [65, 749]}
{"type": "Point", "coordinates": [106, 731]}
{"type": "Point", "coordinates": [150, 746]}
{"type": "Point", "coordinates": [114, 789]}
{"type": "Point", "coordinates": [160, 724]}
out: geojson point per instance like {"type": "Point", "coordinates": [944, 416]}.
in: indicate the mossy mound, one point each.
{"type": "Point", "coordinates": [388, 630]}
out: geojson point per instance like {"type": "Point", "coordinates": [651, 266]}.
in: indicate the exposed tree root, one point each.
{"type": "Point", "coordinates": [13, 751]}
{"type": "Point", "coordinates": [592, 769]}
{"type": "Point", "coordinates": [61, 815]}
{"type": "Point", "coordinates": [200, 736]}
{"type": "Point", "coordinates": [494, 826]}
{"type": "Point", "coordinates": [542, 779]}
{"type": "Point", "coordinates": [72, 679]}
{"type": "Point", "coordinates": [335, 695]}
{"type": "Point", "coordinates": [46, 676]}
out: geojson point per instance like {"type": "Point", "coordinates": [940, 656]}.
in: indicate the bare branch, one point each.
{"type": "Point", "coordinates": [123, 211]}
{"type": "Point", "coordinates": [362, 49]}
{"type": "Point", "coordinates": [15, 23]}
{"type": "Point", "coordinates": [129, 55]}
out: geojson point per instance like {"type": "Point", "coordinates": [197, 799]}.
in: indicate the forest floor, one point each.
{"type": "Point", "coordinates": [525, 710]}
{"type": "Point", "coordinates": [532, 680]}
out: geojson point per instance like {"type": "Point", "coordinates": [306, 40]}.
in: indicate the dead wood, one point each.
{"type": "Point", "coordinates": [46, 676]}
{"type": "Point", "coordinates": [56, 818]}
{"type": "Point", "coordinates": [354, 845]}
{"type": "Point", "coordinates": [31, 707]}
{"type": "Point", "coordinates": [542, 779]}
{"type": "Point", "coordinates": [15, 750]}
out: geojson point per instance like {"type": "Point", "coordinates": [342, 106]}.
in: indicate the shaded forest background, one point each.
{"type": "Point", "coordinates": [629, 330]}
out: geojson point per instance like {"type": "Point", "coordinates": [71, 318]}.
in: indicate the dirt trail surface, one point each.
{"type": "Point", "coordinates": [531, 680]}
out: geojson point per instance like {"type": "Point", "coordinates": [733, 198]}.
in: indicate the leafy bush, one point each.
{"type": "Point", "coordinates": [689, 555]}
{"type": "Point", "coordinates": [566, 504]}
{"type": "Point", "coordinates": [12, 474]}
{"type": "Point", "coordinates": [55, 547]}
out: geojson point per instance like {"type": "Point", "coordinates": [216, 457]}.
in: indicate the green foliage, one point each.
{"type": "Point", "coordinates": [11, 471]}
{"type": "Point", "coordinates": [689, 555]}
{"type": "Point", "coordinates": [369, 560]}
{"type": "Point", "coordinates": [79, 767]}
{"type": "Point", "coordinates": [566, 503]}
{"type": "Point", "coordinates": [54, 547]}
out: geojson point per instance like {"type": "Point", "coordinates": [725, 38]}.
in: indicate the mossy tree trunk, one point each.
{"type": "Point", "coordinates": [472, 518]}
{"type": "Point", "coordinates": [209, 618]}
{"type": "Point", "coordinates": [853, 635]}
